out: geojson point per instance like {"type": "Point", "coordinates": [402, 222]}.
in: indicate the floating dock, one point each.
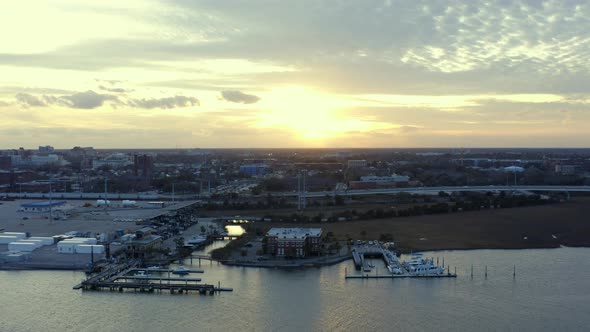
{"type": "Point", "coordinates": [398, 276]}
{"type": "Point", "coordinates": [423, 268]}
{"type": "Point", "coordinates": [117, 278]}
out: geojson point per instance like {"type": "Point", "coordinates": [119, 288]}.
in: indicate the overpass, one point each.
{"type": "Point", "coordinates": [447, 189]}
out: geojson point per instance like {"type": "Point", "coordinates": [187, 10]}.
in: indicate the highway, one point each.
{"type": "Point", "coordinates": [417, 190]}
{"type": "Point", "coordinates": [413, 190]}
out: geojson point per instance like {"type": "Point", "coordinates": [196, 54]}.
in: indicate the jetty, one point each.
{"type": "Point", "coordinates": [119, 277]}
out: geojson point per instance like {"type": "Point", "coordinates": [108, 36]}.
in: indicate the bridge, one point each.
{"type": "Point", "coordinates": [417, 190]}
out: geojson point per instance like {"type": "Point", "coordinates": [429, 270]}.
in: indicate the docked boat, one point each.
{"type": "Point", "coordinates": [141, 274]}
{"type": "Point", "coordinates": [420, 266]}
{"type": "Point", "coordinates": [395, 270]}
{"type": "Point", "coordinates": [181, 270]}
{"type": "Point", "coordinates": [196, 240]}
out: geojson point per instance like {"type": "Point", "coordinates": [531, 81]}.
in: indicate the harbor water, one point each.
{"type": "Point", "coordinates": [549, 292]}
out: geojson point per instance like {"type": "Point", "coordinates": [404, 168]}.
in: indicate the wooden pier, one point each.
{"type": "Point", "coordinates": [118, 278]}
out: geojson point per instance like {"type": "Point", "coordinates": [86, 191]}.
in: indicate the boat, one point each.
{"type": "Point", "coordinates": [154, 268]}
{"type": "Point", "coordinates": [395, 270]}
{"type": "Point", "coordinates": [196, 240]}
{"type": "Point", "coordinates": [181, 270]}
{"type": "Point", "coordinates": [141, 274]}
{"type": "Point", "coordinates": [419, 266]}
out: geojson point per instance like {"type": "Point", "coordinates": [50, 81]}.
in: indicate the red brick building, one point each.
{"type": "Point", "coordinates": [293, 242]}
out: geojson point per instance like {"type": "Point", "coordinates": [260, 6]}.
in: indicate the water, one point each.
{"type": "Point", "coordinates": [550, 292]}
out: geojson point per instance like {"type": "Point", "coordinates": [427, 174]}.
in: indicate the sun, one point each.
{"type": "Point", "coordinates": [311, 115]}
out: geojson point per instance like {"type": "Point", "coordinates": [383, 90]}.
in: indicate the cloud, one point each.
{"type": "Point", "coordinates": [86, 100]}
{"type": "Point", "coordinates": [235, 96]}
{"type": "Point", "coordinates": [166, 103]}
{"type": "Point", "coordinates": [115, 90]}
{"type": "Point", "coordinates": [29, 100]}
{"type": "Point", "coordinates": [4, 103]}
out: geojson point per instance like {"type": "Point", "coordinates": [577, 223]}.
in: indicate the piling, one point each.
{"type": "Point", "coordinates": [514, 272]}
{"type": "Point", "coordinates": [486, 273]}
{"type": "Point", "coordinates": [471, 271]}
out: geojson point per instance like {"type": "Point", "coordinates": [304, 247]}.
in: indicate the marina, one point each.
{"type": "Point", "coordinates": [125, 277]}
{"type": "Point", "coordinates": [416, 267]}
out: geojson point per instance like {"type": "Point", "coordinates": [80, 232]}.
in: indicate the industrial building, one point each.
{"type": "Point", "coordinates": [374, 182]}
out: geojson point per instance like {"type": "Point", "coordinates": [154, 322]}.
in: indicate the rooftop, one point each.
{"type": "Point", "coordinates": [294, 233]}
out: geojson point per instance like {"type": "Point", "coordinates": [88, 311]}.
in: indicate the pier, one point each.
{"type": "Point", "coordinates": [398, 276]}
{"type": "Point", "coordinates": [417, 267]}
{"type": "Point", "coordinates": [117, 278]}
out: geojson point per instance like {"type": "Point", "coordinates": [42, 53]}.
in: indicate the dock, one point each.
{"type": "Point", "coordinates": [118, 277]}
{"type": "Point", "coordinates": [417, 267]}
{"type": "Point", "coordinates": [165, 270]}
{"type": "Point", "coordinates": [398, 276]}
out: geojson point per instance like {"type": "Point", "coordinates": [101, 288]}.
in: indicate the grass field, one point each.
{"type": "Point", "coordinates": [545, 226]}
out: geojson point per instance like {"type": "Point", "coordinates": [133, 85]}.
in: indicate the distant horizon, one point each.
{"type": "Point", "coordinates": [302, 148]}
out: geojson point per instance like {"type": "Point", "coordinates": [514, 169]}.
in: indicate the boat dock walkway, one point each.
{"type": "Point", "coordinates": [165, 270]}
{"type": "Point", "coordinates": [117, 278]}
{"type": "Point", "coordinates": [157, 278]}
{"type": "Point", "coordinates": [397, 276]}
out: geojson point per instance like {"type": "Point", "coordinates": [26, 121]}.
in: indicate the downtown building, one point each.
{"type": "Point", "coordinates": [293, 242]}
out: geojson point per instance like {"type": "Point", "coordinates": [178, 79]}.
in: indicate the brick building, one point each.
{"type": "Point", "coordinates": [293, 242]}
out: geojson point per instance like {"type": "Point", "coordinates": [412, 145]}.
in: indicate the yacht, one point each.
{"type": "Point", "coordinates": [420, 266]}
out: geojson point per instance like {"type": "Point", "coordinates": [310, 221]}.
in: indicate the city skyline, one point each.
{"type": "Point", "coordinates": [307, 74]}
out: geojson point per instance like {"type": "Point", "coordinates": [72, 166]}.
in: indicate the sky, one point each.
{"type": "Point", "coordinates": [305, 73]}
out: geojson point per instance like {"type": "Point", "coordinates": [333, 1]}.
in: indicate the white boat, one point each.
{"type": "Point", "coordinates": [395, 269]}
{"type": "Point", "coordinates": [154, 268]}
{"type": "Point", "coordinates": [141, 274]}
{"type": "Point", "coordinates": [420, 266]}
{"type": "Point", "coordinates": [196, 240]}
{"type": "Point", "coordinates": [181, 270]}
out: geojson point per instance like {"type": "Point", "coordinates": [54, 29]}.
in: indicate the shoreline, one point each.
{"type": "Point", "coordinates": [272, 265]}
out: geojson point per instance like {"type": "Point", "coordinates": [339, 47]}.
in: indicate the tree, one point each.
{"type": "Point", "coordinates": [179, 244]}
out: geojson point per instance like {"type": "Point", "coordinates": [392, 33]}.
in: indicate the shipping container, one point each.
{"type": "Point", "coordinates": [89, 249]}
{"type": "Point", "coordinates": [19, 235]}
{"type": "Point", "coordinates": [5, 239]}
{"type": "Point", "coordinates": [87, 240]}
{"type": "Point", "coordinates": [37, 243]}
{"type": "Point", "coordinates": [47, 241]}
{"type": "Point", "coordinates": [67, 247]}
{"type": "Point", "coordinates": [21, 246]}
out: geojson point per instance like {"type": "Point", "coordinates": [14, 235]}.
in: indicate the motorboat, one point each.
{"type": "Point", "coordinates": [181, 270]}
{"type": "Point", "coordinates": [196, 240]}
{"type": "Point", "coordinates": [141, 274]}
{"type": "Point", "coordinates": [395, 269]}
{"type": "Point", "coordinates": [420, 266]}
